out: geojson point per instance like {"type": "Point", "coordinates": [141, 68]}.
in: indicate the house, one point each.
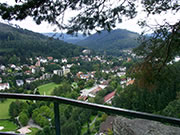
{"type": "Point", "coordinates": [66, 71]}
{"type": "Point", "coordinates": [86, 51]}
{"type": "Point", "coordinates": [69, 65]}
{"type": "Point", "coordinates": [119, 74]}
{"type": "Point", "coordinates": [28, 72]}
{"type": "Point", "coordinates": [109, 97]}
{"type": "Point", "coordinates": [128, 59]}
{"type": "Point", "coordinates": [13, 66]}
{"type": "Point", "coordinates": [123, 81]}
{"type": "Point", "coordinates": [87, 92]}
{"type": "Point", "coordinates": [95, 91]}
{"type": "Point", "coordinates": [4, 86]}
{"type": "Point", "coordinates": [46, 76]}
{"type": "Point", "coordinates": [75, 58]}
{"type": "Point", "coordinates": [56, 60]}
{"type": "Point", "coordinates": [42, 69]}
{"type": "Point", "coordinates": [58, 72]}
{"type": "Point", "coordinates": [19, 82]}
{"type": "Point", "coordinates": [84, 98]}
{"type": "Point", "coordinates": [38, 63]}
{"type": "Point", "coordinates": [105, 82]}
{"type": "Point", "coordinates": [122, 69]}
{"type": "Point", "coordinates": [64, 60]}
{"type": "Point", "coordinates": [30, 80]}
{"type": "Point", "coordinates": [79, 74]}
{"type": "Point", "coordinates": [43, 60]}
{"type": "Point", "coordinates": [2, 67]}
{"type": "Point", "coordinates": [130, 82]}
{"type": "Point", "coordinates": [18, 68]}
{"type": "Point", "coordinates": [50, 58]}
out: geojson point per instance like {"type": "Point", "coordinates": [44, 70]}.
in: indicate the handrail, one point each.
{"type": "Point", "coordinates": [98, 107]}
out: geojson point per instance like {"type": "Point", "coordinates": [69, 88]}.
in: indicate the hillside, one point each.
{"type": "Point", "coordinates": [23, 44]}
{"type": "Point", "coordinates": [65, 37]}
{"type": "Point", "coordinates": [111, 42]}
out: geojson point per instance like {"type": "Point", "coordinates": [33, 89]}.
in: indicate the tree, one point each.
{"type": "Point", "coordinates": [89, 13]}
{"type": "Point", "coordinates": [23, 118]}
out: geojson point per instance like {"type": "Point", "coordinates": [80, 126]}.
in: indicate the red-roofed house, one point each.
{"type": "Point", "coordinates": [130, 82]}
{"type": "Point", "coordinates": [84, 98]}
{"type": "Point", "coordinates": [50, 58]}
{"type": "Point", "coordinates": [109, 97]}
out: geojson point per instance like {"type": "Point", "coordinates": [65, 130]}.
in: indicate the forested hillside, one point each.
{"type": "Point", "coordinates": [22, 44]}
{"type": "Point", "coordinates": [111, 42]}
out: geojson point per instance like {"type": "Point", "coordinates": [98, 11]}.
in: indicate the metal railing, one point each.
{"type": "Point", "coordinates": [87, 105]}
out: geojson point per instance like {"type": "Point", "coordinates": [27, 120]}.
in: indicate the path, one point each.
{"type": "Point", "coordinates": [93, 120]}
{"type": "Point", "coordinates": [32, 124]}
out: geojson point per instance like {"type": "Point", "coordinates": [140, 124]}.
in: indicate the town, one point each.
{"type": "Point", "coordinates": [15, 76]}
{"type": "Point", "coordinates": [90, 78]}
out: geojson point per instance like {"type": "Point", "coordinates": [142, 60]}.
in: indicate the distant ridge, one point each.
{"type": "Point", "coordinates": [111, 42]}
{"type": "Point", "coordinates": [65, 37]}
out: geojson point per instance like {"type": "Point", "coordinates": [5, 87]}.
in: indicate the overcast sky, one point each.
{"type": "Point", "coordinates": [131, 25]}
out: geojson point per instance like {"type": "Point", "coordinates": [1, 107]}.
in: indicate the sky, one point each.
{"type": "Point", "coordinates": [131, 25]}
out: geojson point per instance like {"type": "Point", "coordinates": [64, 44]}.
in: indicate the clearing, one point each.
{"type": "Point", "coordinates": [47, 89]}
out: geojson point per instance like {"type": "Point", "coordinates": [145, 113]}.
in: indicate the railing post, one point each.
{"type": "Point", "coordinates": [57, 118]}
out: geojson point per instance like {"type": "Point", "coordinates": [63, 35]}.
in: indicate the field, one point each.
{"type": "Point", "coordinates": [47, 89]}
{"type": "Point", "coordinates": [34, 130]}
{"type": "Point", "coordinates": [5, 107]}
{"type": "Point", "coordinates": [8, 125]}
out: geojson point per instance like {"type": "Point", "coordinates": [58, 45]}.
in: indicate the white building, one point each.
{"type": "Point", "coordinates": [43, 60]}
{"type": "Point", "coordinates": [56, 60]}
{"type": "Point", "coordinates": [65, 70]}
{"type": "Point", "coordinates": [19, 82]}
{"type": "Point", "coordinates": [86, 51]}
{"type": "Point", "coordinates": [2, 67]}
{"type": "Point", "coordinates": [122, 68]}
{"type": "Point", "coordinates": [58, 72]}
{"type": "Point", "coordinates": [121, 74]}
{"type": "Point", "coordinates": [4, 86]}
{"type": "Point", "coordinates": [46, 76]}
{"type": "Point", "coordinates": [30, 80]}
{"type": "Point", "coordinates": [64, 60]}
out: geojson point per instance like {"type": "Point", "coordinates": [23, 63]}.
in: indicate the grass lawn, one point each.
{"type": "Point", "coordinates": [48, 88]}
{"type": "Point", "coordinates": [5, 107]}
{"type": "Point", "coordinates": [8, 125]}
{"type": "Point", "coordinates": [34, 130]}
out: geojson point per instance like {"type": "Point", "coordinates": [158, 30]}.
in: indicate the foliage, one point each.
{"type": "Point", "coordinates": [89, 83]}
{"type": "Point", "coordinates": [46, 131]}
{"type": "Point", "coordinates": [16, 107]}
{"type": "Point", "coordinates": [89, 14]}
{"type": "Point", "coordinates": [150, 93]}
{"type": "Point", "coordinates": [42, 115]}
{"type": "Point", "coordinates": [172, 109]}
{"type": "Point", "coordinates": [23, 118]}
{"type": "Point", "coordinates": [62, 90]}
